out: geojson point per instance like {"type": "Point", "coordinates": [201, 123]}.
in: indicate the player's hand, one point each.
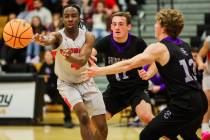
{"type": "Point", "coordinates": [93, 70]}
{"type": "Point", "coordinates": [155, 89]}
{"type": "Point", "coordinates": [92, 59]}
{"type": "Point", "coordinates": [41, 39]}
{"type": "Point", "coordinates": [143, 74]}
{"type": "Point", "coordinates": [46, 78]}
{"type": "Point", "coordinates": [202, 66]}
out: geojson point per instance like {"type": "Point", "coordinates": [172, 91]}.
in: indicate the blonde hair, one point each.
{"type": "Point", "coordinates": [172, 20]}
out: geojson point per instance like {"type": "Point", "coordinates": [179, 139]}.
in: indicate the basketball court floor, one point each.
{"type": "Point", "coordinates": [52, 129]}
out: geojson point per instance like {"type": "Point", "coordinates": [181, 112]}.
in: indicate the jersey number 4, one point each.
{"type": "Point", "coordinates": [188, 77]}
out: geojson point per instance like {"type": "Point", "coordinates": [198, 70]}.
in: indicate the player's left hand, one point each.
{"type": "Point", "coordinates": [93, 70]}
{"type": "Point", "coordinates": [143, 74]}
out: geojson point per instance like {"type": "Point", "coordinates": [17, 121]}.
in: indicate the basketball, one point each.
{"type": "Point", "coordinates": [17, 33]}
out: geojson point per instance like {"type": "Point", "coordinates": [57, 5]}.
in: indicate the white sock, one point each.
{"type": "Point", "coordinates": [204, 127]}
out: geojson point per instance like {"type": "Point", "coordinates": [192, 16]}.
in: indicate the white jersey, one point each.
{"type": "Point", "coordinates": [65, 70]}
{"type": "Point", "coordinates": [207, 71]}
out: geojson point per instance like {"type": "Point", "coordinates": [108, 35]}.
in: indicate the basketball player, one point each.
{"type": "Point", "coordinates": [125, 88]}
{"type": "Point", "coordinates": [174, 62]}
{"type": "Point", "coordinates": [205, 52]}
{"type": "Point", "coordinates": [74, 47]}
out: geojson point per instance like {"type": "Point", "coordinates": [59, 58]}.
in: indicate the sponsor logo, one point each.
{"type": "Point", "coordinates": [5, 100]}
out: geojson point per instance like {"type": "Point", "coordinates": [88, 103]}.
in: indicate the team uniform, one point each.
{"type": "Point", "coordinates": [188, 102]}
{"type": "Point", "coordinates": [72, 85]}
{"type": "Point", "coordinates": [125, 88]}
{"type": "Point", "coordinates": [206, 73]}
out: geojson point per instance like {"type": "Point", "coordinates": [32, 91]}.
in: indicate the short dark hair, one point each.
{"type": "Point", "coordinates": [127, 15]}
{"type": "Point", "coordinates": [74, 6]}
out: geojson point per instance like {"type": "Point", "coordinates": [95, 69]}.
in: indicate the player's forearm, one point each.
{"type": "Point", "coordinates": [126, 65]}
{"type": "Point", "coordinates": [81, 61]}
{"type": "Point", "coordinates": [45, 40]}
{"type": "Point", "coordinates": [49, 40]}
{"type": "Point", "coordinates": [119, 67]}
{"type": "Point", "coordinates": [199, 60]}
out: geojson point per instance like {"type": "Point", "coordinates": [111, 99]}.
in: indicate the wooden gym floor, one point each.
{"type": "Point", "coordinates": [52, 129]}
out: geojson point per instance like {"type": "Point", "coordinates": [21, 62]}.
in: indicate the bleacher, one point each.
{"type": "Point", "coordinates": [202, 31]}
{"type": "Point", "coordinates": [195, 14]}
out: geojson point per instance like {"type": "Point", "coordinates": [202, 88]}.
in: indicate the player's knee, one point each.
{"type": "Point", "coordinates": [146, 117]}
{"type": "Point", "coordinates": [84, 118]}
{"type": "Point", "coordinates": [102, 128]}
{"type": "Point", "coordinates": [144, 112]}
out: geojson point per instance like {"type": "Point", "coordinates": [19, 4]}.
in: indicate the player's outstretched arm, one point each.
{"type": "Point", "coordinates": [150, 55]}
{"type": "Point", "coordinates": [45, 40]}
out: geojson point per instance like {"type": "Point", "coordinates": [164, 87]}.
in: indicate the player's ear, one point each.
{"type": "Point", "coordinates": [129, 27]}
{"type": "Point", "coordinates": [112, 27]}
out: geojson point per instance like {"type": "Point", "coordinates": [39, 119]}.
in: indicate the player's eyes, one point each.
{"type": "Point", "coordinates": [119, 24]}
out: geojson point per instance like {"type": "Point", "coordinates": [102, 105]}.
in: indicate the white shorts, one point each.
{"type": "Point", "coordinates": [206, 82]}
{"type": "Point", "coordinates": [85, 92]}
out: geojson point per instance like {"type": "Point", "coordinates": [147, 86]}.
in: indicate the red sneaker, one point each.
{"type": "Point", "coordinates": [205, 135]}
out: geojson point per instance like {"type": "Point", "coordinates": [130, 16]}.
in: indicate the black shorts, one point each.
{"type": "Point", "coordinates": [183, 117]}
{"type": "Point", "coordinates": [116, 100]}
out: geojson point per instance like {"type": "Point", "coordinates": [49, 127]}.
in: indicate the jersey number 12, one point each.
{"type": "Point", "coordinates": [188, 77]}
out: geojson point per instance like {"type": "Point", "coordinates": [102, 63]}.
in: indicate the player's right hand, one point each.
{"type": "Point", "coordinates": [41, 39]}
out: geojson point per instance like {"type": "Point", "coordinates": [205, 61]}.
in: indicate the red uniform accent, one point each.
{"type": "Point", "coordinates": [53, 52]}
{"type": "Point", "coordinates": [67, 102]}
{"type": "Point", "coordinates": [73, 50]}
{"type": "Point", "coordinates": [108, 3]}
{"type": "Point", "coordinates": [208, 55]}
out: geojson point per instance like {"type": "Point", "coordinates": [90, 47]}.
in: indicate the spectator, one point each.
{"type": "Point", "coordinates": [41, 11]}
{"type": "Point", "coordinates": [99, 21]}
{"type": "Point", "coordinates": [110, 5]}
{"type": "Point", "coordinates": [57, 23]}
{"type": "Point", "coordinates": [33, 49]}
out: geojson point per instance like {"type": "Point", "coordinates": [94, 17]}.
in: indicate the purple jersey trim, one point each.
{"type": "Point", "coordinates": [176, 41]}
{"type": "Point", "coordinates": [121, 48]}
